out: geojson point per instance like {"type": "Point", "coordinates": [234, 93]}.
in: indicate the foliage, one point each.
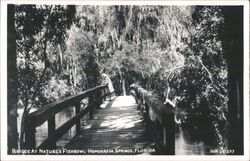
{"type": "Point", "coordinates": [55, 89]}
{"type": "Point", "coordinates": [41, 31]}
{"type": "Point", "coordinates": [202, 84]}
{"type": "Point", "coordinates": [174, 51]}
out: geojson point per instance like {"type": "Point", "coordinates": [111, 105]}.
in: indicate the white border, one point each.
{"type": "Point", "coordinates": [130, 2]}
{"type": "Point", "coordinates": [3, 82]}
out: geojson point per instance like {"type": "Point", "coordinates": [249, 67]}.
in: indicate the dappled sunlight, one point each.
{"type": "Point", "coordinates": [129, 134]}
{"type": "Point", "coordinates": [119, 126]}
{"type": "Point", "coordinates": [103, 130]}
{"type": "Point", "coordinates": [123, 119]}
{"type": "Point", "coordinates": [112, 117]}
{"type": "Point", "coordinates": [87, 126]}
{"type": "Point", "coordinates": [121, 123]}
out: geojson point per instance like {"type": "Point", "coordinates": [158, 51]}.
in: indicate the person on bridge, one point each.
{"type": "Point", "coordinates": [107, 81]}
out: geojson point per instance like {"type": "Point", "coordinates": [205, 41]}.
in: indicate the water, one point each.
{"type": "Point", "coordinates": [184, 145]}
{"type": "Point", "coordinates": [42, 130]}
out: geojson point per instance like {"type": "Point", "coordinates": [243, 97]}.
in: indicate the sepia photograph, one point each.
{"type": "Point", "coordinates": [116, 79]}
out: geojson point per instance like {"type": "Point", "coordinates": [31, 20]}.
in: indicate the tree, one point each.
{"type": "Point", "coordinates": [12, 81]}
{"type": "Point", "coordinates": [37, 28]}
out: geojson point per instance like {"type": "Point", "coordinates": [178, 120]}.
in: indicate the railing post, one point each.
{"type": "Point", "coordinates": [146, 116]}
{"type": "Point", "coordinates": [102, 93]}
{"type": "Point", "coordinates": [91, 110]}
{"type": "Point", "coordinates": [30, 131]}
{"type": "Point", "coordinates": [51, 130]}
{"type": "Point", "coordinates": [78, 124]}
{"type": "Point", "coordinates": [136, 97]}
{"type": "Point", "coordinates": [99, 98]}
{"type": "Point", "coordinates": [106, 91]}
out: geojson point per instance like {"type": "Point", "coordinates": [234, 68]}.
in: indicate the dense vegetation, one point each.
{"type": "Point", "coordinates": [175, 52]}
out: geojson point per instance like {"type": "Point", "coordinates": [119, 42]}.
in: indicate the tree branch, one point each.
{"type": "Point", "coordinates": [209, 74]}
{"type": "Point", "coordinates": [160, 22]}
{"type": "Point", "coordinates": [173, 69]}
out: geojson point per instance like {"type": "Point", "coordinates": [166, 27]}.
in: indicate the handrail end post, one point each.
{"type": "Point", "coordinates": [78, 124]}
{"type": "Point", "coordinates": [30, 133]}
{"type": "Point", "coordinates": [51, 130]}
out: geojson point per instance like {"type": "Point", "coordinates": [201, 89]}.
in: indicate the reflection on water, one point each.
{"type": "Point", "coordinates": [184, 145]}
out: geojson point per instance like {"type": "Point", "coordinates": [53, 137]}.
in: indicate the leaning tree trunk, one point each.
{"type": "Point", "coordinates": [22, 126]}
{"type": "Point", "coordinates": [12, 81]}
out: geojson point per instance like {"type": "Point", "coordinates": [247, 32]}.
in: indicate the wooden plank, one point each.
{"type": "Point", "coordinates": [114, 128]}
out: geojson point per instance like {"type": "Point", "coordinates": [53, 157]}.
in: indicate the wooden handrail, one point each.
{"type": "Point", "coordinates": [159, 118]}
{"type": "Point", "coordinates": [48, 112]}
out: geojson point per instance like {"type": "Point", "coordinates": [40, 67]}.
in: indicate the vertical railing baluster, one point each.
{"type": "Point", "coordinates": [30, 133]}
{"type": "Point", "coordinates": [51, 130]}
{"type": "Point", "coordinates": [78, 124]}
{"type": "Point", "coordinates": [107, 91]}
{"type": "Point", "coordinates": [91, 110]}
{"type": "Point", "coordinates": [51, 125]}
{"type": "Point", "coordinates": [99, 98]}
{"type": "Point", "coordinates": [102, 93]}
{"type": "Point", "coordinates": [136, 96]}
{"type": "Point", "coordinates": [146, 116]}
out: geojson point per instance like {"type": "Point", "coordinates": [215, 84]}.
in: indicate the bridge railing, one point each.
{"type": "Point", "coordinates": [159, 118]}
{"type": "Point", "coordinates": [47, 113]}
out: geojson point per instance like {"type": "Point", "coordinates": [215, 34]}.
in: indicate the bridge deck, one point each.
{"type": "Point", "coordinates": [116, 129]}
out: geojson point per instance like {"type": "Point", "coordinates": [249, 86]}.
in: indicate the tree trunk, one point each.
{"type": "Point", "coordinates": [60, 59]}
{"type": "Point", "coordinates": [12, 96]}
{"type": "Point", "coordinates": [123, 87]}
{"type": "Point", "coordinates": [22, 126]}
{"type": "Point", "coordinates": [233, 45]}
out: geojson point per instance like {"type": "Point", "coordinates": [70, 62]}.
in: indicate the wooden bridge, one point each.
{"type": "Point", "coordinates": [134, 124]}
